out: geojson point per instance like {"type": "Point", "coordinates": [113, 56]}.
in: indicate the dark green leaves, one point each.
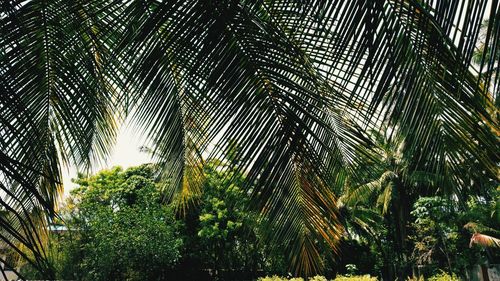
{"type": "Point", "coordinates": [55, 107]}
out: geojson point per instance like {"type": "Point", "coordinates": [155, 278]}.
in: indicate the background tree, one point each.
{"type": "Point", "coordinates": [435, 233]}
{"type": "Point", "coordinates": [120, 230]}
{"type": "Point", "coordinates": [223, 234]}
{"type": "Point", "coordinates": [227, 231]}
{"type": "Point", "coordinates": [390, 193]}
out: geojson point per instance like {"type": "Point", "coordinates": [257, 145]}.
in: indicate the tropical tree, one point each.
{"type": "Point", "coordinates": [434, 232]}
{"type": "Point", "coordinates": [120, 228]}
{"type": "Point", "coordinates": [226, 230]}
{"type": "Point", "coordinates": [296, 83]}
{"type": "Point", "coordinates": [389, 188]}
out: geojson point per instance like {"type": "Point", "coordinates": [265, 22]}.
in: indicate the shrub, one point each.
{"type": "Point", "coordinates": [443, 276]}
{"type": "Point", "coordinates": [278, 278]}
{"type": "Point", "coordinates": [356, 278]}
{"type": "Point", "coordinates": [270, 278]}
{"type": "Point", "coordinates": [120, 226]}
{"type": "Point", "coordinates": [318, 278]}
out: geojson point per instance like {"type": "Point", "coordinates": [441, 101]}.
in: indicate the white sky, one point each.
{"type": "Point", "coordinates": [125, 153]}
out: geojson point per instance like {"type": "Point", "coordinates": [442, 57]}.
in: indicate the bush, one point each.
{"type": "Point", "coordinates": [356, 278]}
{"type": "Point", "coordinates": [443, 276]}
{"type": "Point", "coordinates": [318, 278]}
{"type": "Point", "coordinates": [278, 278]}
{"type": "Point", "coordinates": [122, 229]}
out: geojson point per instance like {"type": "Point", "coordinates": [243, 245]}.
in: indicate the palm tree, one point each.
{"type": "Point", "coordinates": [296, 83]}
{"type": "Point", "coordinates": [391, 193]}
{"type": "Point", "coordinates": [390, 188]}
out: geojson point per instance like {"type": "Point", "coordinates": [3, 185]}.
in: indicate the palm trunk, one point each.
{"type": "Point", "coordinates": [401, 216]}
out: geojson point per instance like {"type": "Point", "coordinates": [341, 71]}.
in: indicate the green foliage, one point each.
{"type": "Point", "coordinates": [222, 215]}
{"type": "Point", "coordinates": [227, 235]}
{"type": "Point", "coordinates": [442, 230]}
{"type": "Point", "coordinates": [318, 278]}
{"type": "Point", "coordinates": [355, 278]}
{"type": "Point", "coordinates": [481, 215]}
{"type": "Point", "coordinates": [411, 216]}
{"type": "Point", "coordinates": [129, 242]}
{"type": "Point", "coordinates": [30, 272]}
{"type": "Point", "coordinates": [435, 233]}
{"type": "Point", "coordinates": [120, 224]}
{"type": "Point", "coordinates": [379, 202]}
{"type": "Point", "coordinates": [115, 188]}
{"type": "Point", "coordinates": [443, 276]}
{"type": "Point", "coordinates": [122, 229]}
{"type": "Point", "coordinates": [298, 83]}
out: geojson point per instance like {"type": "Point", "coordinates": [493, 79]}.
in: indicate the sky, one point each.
{"type": "Point", "coordinates": [125, 153]}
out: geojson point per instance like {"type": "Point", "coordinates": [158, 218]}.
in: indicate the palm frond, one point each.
{"type": "Point", "coordinates": [365, 192]}
{"type": "Point", "coordinates": [362, 221]}
{"type": "Point", "coordinates": [385, 199]}
{"type": "Point", "coordinates": [480, 228]}
{"type": "Point", "coordinates": [296, 82]}
{"type": "Point", "coordinates": [55, 107]}
{"type": "Point", "coordinates": [237, 76]}
{"type": "Point", "coordinates": [484, 240]}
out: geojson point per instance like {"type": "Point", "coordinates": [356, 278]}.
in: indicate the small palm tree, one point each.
{"type": "Point", "coordinates": [391, 193]}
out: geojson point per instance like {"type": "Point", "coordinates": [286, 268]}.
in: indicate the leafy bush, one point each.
{"type": "Point", "coordinates": [222, 233]}
{"type": "Point", "coordinates": [120, 225]}
{"type": "Point", "coordinates": [356, 278]}
{"type": "Point", "coordinates": [118, 244]}
{"type": "Point", "coordinates": [318, 278]}
{"type": "Point", "coordinates": [278, 278]}
{"type": "Point", "coordinates": [444, 276]}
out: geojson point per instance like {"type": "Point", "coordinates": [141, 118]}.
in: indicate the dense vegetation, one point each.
{"type": "Point", "coordinates": [120, 229]}
{"type": "Point", "coordinates": [340, 125]}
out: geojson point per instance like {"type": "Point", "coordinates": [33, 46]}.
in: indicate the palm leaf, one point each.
{"type": "Point", "coordinates": [295, 83]}
{"type": "Point", "coordinates": [55, 108]}
{"type": "Point", "coordinates": [484, 240]}
{"type": "Point", "coordinates": [271, 75]}
{"type": "Point", "coordinates": [248, 85]}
